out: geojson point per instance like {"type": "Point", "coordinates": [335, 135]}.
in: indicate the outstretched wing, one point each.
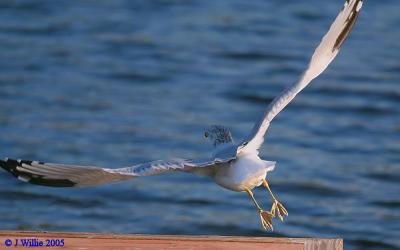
{"type": "Point", "coordinates": [322, 57]}
{"type": "Point", "coordinates": [60, 175]}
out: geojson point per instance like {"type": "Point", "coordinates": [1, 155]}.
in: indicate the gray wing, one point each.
{"type": "Point", "coordinates": [60, 175]}
{"type": "Point", "coordinates": [322, 57]}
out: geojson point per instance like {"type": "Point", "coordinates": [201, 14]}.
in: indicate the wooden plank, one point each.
{"type": "Point", "coordinates": [84, 241]}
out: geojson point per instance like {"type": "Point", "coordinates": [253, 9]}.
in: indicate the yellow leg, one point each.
{"type": "Point", "coordinates": [265, 217]}
{"type": "Point", "coordinates": [277, 207]}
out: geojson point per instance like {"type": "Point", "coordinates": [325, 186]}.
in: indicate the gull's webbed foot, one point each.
{"type": "Point", "coordinates": [266, 219]}
{"type": "Point", "coordinates": [278, 209]}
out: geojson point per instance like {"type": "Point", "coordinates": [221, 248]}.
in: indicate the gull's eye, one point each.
{"type": "Point", "coordinates": [206, 134]}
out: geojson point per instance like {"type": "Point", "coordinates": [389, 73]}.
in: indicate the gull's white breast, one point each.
{"type": "Point", "coordinates": [246, 172]}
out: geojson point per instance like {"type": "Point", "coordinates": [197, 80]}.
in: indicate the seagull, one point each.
{"type": "Point", "coordinates": [234, 166]}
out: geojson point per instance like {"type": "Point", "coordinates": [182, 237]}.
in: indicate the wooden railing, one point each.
{"type": "Point", "coordinates": [96, 241]}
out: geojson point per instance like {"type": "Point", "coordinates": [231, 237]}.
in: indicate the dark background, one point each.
{"type": "Point", "coordinates": [114, 83]}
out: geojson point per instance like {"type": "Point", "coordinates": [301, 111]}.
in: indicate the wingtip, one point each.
{"type": "Point", "coordinates": [2, 162]}
{"type": "Point", "coordinates": [350, 21]}
{"type": "Point", "coordinates": [359, 5]}
{"type": "Point", "coordinates": [9, 165]}
{"type": "Point", "coordinates": [13, 167]}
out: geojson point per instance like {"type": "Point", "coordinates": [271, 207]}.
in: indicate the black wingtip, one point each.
{"type": "Point", "coordinates": [351, 20]}
{"type": "Point", "coordinates": [11, 166]}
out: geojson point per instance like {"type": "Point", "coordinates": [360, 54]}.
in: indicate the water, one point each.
{"type": "Point", "coordinates": [114, 83]}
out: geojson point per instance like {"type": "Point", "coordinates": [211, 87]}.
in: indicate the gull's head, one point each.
{"type": "Point", "coordinates": [218, 135]}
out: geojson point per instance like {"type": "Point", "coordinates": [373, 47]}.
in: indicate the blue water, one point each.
{"type": "Point", "coordinates": [114, 83]}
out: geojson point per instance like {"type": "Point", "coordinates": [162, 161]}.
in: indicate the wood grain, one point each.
{"type": "Point", "coordinates": [83, 241]}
